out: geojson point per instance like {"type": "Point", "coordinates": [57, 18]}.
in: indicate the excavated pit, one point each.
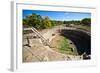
{"type": "Point", "coordinates": [81, 40]}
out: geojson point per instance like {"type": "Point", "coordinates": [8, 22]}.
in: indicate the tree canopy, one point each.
{"type": "Point", "coordinates": [40, 22]}
{"type": "Point", "coordinates": [86, 21]}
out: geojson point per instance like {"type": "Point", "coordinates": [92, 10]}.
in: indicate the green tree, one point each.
{"type": "Point", "coordinates": [86, 21]}
{"type": "Point", "coordinates": [33, 20]}
{"type": "Point", "coordinates": [47, 22]}
{"type": "Point", "coordinates": [25, 23]}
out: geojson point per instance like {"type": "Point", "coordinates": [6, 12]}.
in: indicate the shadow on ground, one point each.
{"type": "Point", "coordinates": [81, 40]}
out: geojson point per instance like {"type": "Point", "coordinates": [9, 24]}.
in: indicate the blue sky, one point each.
{"type": "Point", "coordinates": [55, 15]}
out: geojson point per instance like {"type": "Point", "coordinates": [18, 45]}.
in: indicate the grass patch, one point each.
{"type": "Point", "coordinates": [63, 45]}
{"type": "Point", "coordinates": [83, 27]}
{"type": "Point", "coordinates": [66, 47]}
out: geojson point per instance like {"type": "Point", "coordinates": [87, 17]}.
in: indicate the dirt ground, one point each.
{"type": "Point", "coordinates": [38, 52]}
{"type": "Point", "coordinates": [56, 42]}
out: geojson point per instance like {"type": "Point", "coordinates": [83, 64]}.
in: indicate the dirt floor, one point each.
{"type": "Point", "coordinates": [37, 52]}
{"type": "Point", "coordinates": [69, 48]}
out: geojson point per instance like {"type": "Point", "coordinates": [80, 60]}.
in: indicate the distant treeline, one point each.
{"type": "Point", "coordinates": [40, 22]}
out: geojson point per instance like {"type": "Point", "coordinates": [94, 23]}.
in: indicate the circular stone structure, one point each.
{"type": "Point", "coordinates": [81, 39]}
{"type": "Point", "coordinates": [78, 41]}
{"type": "Point", "coordinates": [75, 42]}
